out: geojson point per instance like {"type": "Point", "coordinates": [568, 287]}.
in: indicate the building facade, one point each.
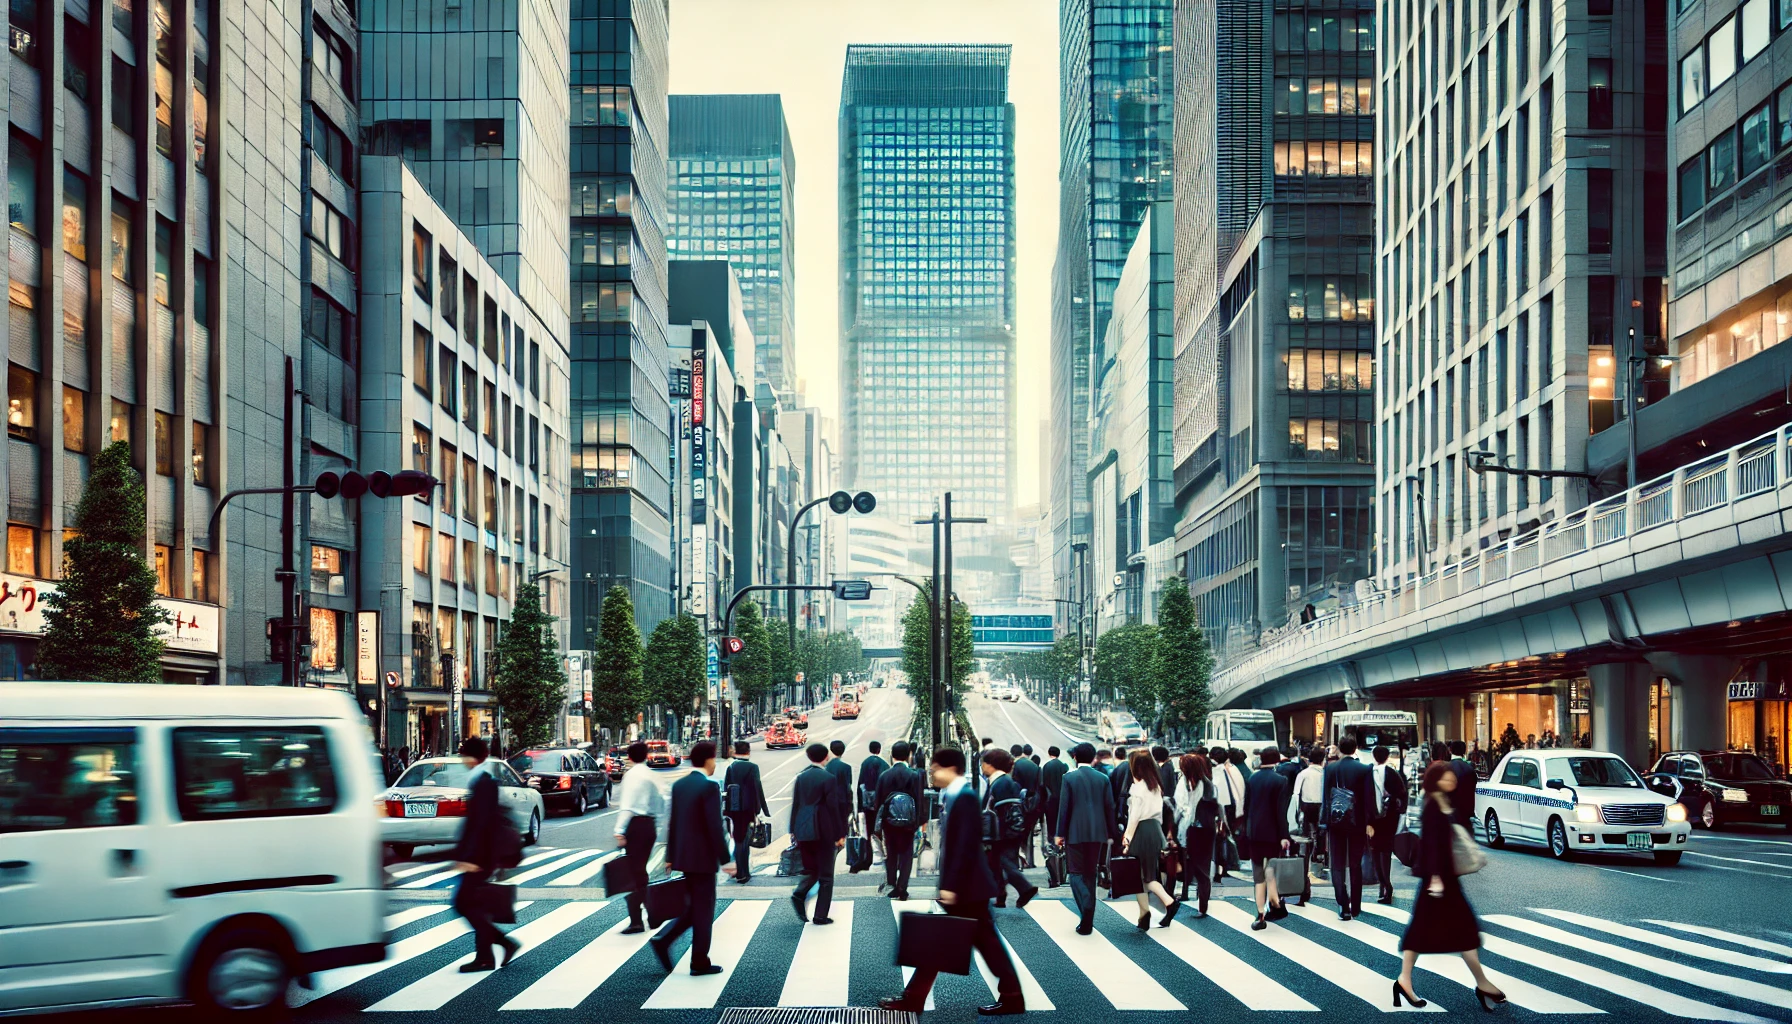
{"type": "Point", "coordinates": [1274, 307]}
{"type": "Point", "coordinates": [927, 247]}
{"type": "Point", "coordinates": [732, 196]}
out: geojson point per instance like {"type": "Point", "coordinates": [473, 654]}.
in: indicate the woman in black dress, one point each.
{"type": "Point", "coordinates": [1442, 921]}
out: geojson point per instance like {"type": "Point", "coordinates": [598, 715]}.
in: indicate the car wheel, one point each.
{"type": "Point", "coordinates": [1558, 839]}
{"type": "Point", "coordinates": [1491, 825]}
{"type": "Point", "coordinates": [241, 973]}
{"type": "Point", "coordinates": [1707, 816]}
{"type": "Point", "coordinates": [578, 804]}
{"type": "Point", "coordinates": [1668, 857]}
{"type": "Point", "coordinates": [531, 837]}
{"type": "Point", "coordinates": [403, 851]}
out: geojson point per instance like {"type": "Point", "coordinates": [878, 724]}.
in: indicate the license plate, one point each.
{"type": "Point", "coordinates": [1639, 841]}
{"type": "Point", "coordinates": [419, 810]}
{"type": "Point", "coordinates": [1771, 810]}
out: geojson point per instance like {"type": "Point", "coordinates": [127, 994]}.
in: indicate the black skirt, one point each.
{"type": "Point", "coordinates": [1441, 924]}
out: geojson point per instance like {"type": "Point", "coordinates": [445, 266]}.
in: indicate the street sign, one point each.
{"type": "Point", "coordinates": [392, 680]}
{"type": "Point", "coordinates": [733, 644]}
{"type": "Point", "coordinates": [714, 667]}
{"type": "Point", "coordinates": [852, 590]}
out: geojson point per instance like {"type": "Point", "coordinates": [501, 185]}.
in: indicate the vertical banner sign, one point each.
{"type": "Point", "coordinates": [367, 648]}
{"type": "Point", "coordinates": [714, 669]}
{"type": "Point", "coordinates": [699, 474]}
{"type": "Point", "coordinates": [699, 575]}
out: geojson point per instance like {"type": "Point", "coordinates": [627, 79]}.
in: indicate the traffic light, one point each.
{"type": "Point", "coordinates": [379, 483]}
{"type": "Point", "coordinates": [852, 590]}
{"type": "Point", "coordinates": [842, 502]}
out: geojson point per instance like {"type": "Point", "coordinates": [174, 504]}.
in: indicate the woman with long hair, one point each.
{"type": "Point", "coordinates": [1144, 837]}
{"type": "Point", "coordinates": [1442, 921]}
{"type": "Point", "coordinates": [1197, 816]}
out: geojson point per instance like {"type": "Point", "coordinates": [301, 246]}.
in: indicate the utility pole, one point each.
{"type": "Point", "coordinates": [933, 640]}
{"type": "Point", "coordinates": [289, 575]}
{"type": "Point", "coordinates": [941, 617]}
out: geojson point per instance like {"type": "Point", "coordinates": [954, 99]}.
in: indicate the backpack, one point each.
{"type": "Point", "coordinates": [1341, 810]}
{"type": "Point", "coordinates": [1207, 808]}
{"type": "Point", "coordinates": [898, 812]}
{"type": "Point", "coordinates": [734, 796]}
{"type": "Point", "coordinates": [1031, 800]}
{"type": "Point", "coordinates": [1393, 791]}
{"type": "Point", "coordinates": [1004, 819]}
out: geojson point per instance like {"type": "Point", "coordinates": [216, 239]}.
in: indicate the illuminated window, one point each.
{"type": "Point", "coordinates": [202, 590]}
{"type": "Point", "coordinates": [326, 639]}
{"type": "Point", "coordinates": [420, 548]}
{"type": "Point", "coordinates": [21, 550]}
{"type": "Point", "coordinates": [21, 403]}
{"type": "Point", "coordinates": [164, 560]}
{"type": "Point", "coordinates": [74, 419]}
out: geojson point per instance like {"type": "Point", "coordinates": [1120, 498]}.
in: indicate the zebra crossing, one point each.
{"type": "Point", "coordinates": [573, 954]}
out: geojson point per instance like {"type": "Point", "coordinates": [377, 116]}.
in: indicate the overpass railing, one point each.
{"type": "Point", "coordinates": [1755, 467]}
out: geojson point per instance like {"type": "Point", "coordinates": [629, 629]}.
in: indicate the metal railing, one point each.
{"type": "Point", "coordinates": [1756, 467]}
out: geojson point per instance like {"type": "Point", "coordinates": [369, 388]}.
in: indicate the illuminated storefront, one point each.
{"type": "Point", "coordinates": [1760, 713]}
{"type": "Point", "coordinates": [190, 637]}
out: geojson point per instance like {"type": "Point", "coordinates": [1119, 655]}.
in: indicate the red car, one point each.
{"type": "Point", "coordinates": [661, 754]}
{"type": "Point", "coordinates": [782, 735]}
{"type": "Point", "coordinates": [615, 762]}
{"type": "Point", "coordinates": [798, 717]}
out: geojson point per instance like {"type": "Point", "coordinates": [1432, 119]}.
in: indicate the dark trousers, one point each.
{"type": "Point", "coordinates": [986, 942]}
{"type": "Point", "coordinates": [466, 903]}
{"type": "Point", "coordinates": [699, 918]}
{"type": "Point", "coordinates": [742, 827]}
{"type": "Point", "coordinates": [899, 858]}
{"type": "Point", "coordinates": [1345, 859]}
{"type": "Point", "coordinates": [869, 828]}
{"type": "Point", "coordinates": [1004, 863]}
{"type": "Point", "coordinates": [1085, 864]}
{"type": "Point", "coordinates": [1383, 856]}
{"type": "Point", "coordinates": [638, 839]}
{"type": "Point", "coordinates": [1197, 863]}
{"type": "Point", "coordinates": [818, 874]}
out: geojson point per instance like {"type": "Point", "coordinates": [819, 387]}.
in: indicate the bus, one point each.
{"type": "Point", "coordinates": [1247, 729]}
{"type": "Point", "coordinates": [1397, 730]}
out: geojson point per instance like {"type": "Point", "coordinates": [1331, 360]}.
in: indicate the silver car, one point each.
{"type": "Point", "coordinates": [429, 801]}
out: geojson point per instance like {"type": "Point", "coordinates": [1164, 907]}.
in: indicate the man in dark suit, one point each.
{"type": "Point", "coordinates": [696, 847]}
{"type": "Point", "coordinates": [818, 828]}
{"type": "Point", "coordinates": [869, 770]}
{"type": "Point", "coordinates": [1119, 781]}
{"type": "Point", "coordinates": [843, 774]}
{"type": "Point", "coordinates": [974, 767]}
{"type": "Point", "coordinates": [1001, 794]}
{"type": "Point", "coordinates": [1263, 833]}
{"type": "Point", "coordinates": [751, 804]}
{"type": "Point", "coordinates": [1292, 763]}
{"type": "Point", "coordinates": [899, 840]}
{"type": "Point", "coordinates": [1166, 774]}
{"type": "Point", "coordinates": [965, 890]}
{"type": "Point", "coordinates": [1027, 776]}
{"type": "Point", "coordinates": [1390, 804]}
{"type": "Point", "coordinates": [477, 855]}
{"type": "Point", "coordinates": [1085, 821]}
{"type": "Point", "coordinates": [1463, 800]}
{"type": "Point", "coordinates": [1051, 775]}
{"type": "Point", "coordinates": [1345, 834]}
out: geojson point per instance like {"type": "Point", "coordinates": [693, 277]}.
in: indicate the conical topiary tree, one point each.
{"type": "Point", "coordinates": [100, 623]}
{"type": "Point", "coordinates": [530, 680]}
{"type": "Point", "coordinates": [1184, 660]}
{"type": "Point", "coordinates": [676, 668]}
{"type": "Point", "coordinates": [616, 664]}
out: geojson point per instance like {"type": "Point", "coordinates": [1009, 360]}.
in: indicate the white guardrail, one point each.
{"type": "Point", "coordinates": [1747, 470]}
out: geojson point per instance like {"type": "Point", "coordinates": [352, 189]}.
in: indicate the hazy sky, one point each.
{"type": "Point", "coordinates": [797, 48]}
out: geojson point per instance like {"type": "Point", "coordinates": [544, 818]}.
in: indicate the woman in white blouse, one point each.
{"type": "Point", "coordinates": [1144, 837]}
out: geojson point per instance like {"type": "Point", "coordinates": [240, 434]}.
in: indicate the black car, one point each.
{"type": "Point", "coordinates": [1723, 788]}
{"type": "Point", "coordinates": [566, 778]}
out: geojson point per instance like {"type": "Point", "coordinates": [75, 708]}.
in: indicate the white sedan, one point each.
{"type": "Point", "coordinates": [1574, 801]}
{"type": "Point", "coordinates": [429, 801]}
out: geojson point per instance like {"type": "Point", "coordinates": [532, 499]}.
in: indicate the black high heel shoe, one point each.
{"type": "Point", "coordinates": [1414, 1000]}
{"type": "Point", "coordinates": [1489, 1000]}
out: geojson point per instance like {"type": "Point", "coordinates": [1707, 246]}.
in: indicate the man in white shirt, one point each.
{"type": "Point", "coordinates": [641, 805]}
{"type": "Point", "coordinates": [1390, 804]}
{"type": "Point", "coordinates": [1309, 788]}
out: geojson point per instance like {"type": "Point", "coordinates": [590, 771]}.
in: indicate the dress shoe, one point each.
{"type": "Point", "coordinates": [476, 966]}
{"type": "Point", "coordinates": [1386, 897]}
{"type": "Point", "coordinates": [1259, 924]}
{"type": "Point", "coordinates": [663, 953]}
{"type": "Point", "coordinates": [802, 910]}
{"type": "Point", "coordinates": [1026, 897]}
{"type": "Point", "coordinates": [698, 972]}
{"type": "Point", "coordinates": [1002, 1009]}
{"type": "Point", "coordinates": [1277, 912]}
{"type": "Point", "coordinates": [510, 949]}
{"type": "Point", "coordinates": [822, 920]}
{"type": "Point", "coordinates": [634, 928]}
{"type": "Point", "coordinates": [1085, 929]}
{"type": "Point", "coordinates": [898, 1004]}
{"type": "Point", "coordinates": [1343, 915]}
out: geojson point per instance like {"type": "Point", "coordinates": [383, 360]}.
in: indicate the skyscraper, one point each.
{"type": "Point", "coordinates": [927, 277]}
{"type": "Point", "coordinates": [1114, 161]}
{"type": "Point", "coordinates": [733, 197]}
{"type": "Point", "coordinates": [620, 409]}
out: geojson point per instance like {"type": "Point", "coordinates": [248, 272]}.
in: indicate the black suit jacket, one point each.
{"type": "Point", "coordinates": [1353, 775]}
{"type": "Point", "coordinates": [900, 778]}
{"type": "Point", "coordinates": [694, 841]}
{"type": "Point", "coordinates": [1085, 808]}
{"type": "Point", "coordinates": [479, 830]}
{"type": "Point", "coordinates": [745, 774]}
{"type": "Point", "coordinates": [842, 773]}
{"type": "Point", "coordinates": [1119, 781]}
{"type": "Point", "coordinates": [1463, 800]}
{"type": "Point", "coordinates": [964, 870]}
{"type": "Point", "coordinates": [1291, 769]}
{"type": "Point", "coordinates": [1266, 807]}
{"type": "Point", "coordinates": [1052, 775]}
{"type": "Point", "coordinates": [815, 814]}
{"type": "Point", "coordinates": [870, 770]}
{"type": "Point", "coordinates": [1027, 776]}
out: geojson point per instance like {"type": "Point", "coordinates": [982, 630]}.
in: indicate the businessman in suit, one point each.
{"type": "Point", "coordinates": [1029, 778]}
{"type": "Point", "coordinates": [966, 887]}
{"type": "Point", "coordinates": [1001, 794]}
{"type": "Point", "coordinates": [843, 774]}
{"type": "Point", "coordinates": [744, 773]}
{"type": "Point", "coordinates": [1085, 822]}
{"type": "Point", "coordinates": [476, 855]}
{"type": "Point", "coordinates": [869, 770]}
{"type": "Point", "coordinates": [1051, 776]}
{"type": "Point", "coordinates": [818, 828]}
{"type": "Point", "coordinates": [1345, 836]}
{"type": "Point", "coordinates": [695, 846]}
{"type": "Point", "coordinates": [1390, 804]}
{"type": "Point", "coordinates": [899, 840]}
{"type": "Point", "coordinates": [1462, 802]}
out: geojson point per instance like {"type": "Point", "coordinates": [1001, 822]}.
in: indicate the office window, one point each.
{"type": "Point", "coordinates": [1692, 79]}
{"type": "Point", "coordinates": [164, 561]}
{"type": "Point", "coordinates": [77, 59]}
{"type": "Point", "coordinates": [1692, 186]}
{"type": "Point", "coordinates": [1757, 28]}
{"type": "Point", "coordinates": [118, 428]}
{"type": "Point", "coordinates": [332, 230]}
{"type": "Point", "coordinates": [469, 486]}
{"type": "Point", "coordinates": [421, 536]}
{"type": "Point", "coordinates": [504, 422]}
{"type": "Point", "coordinates": [445, 557]}
{"type": "Point", "coordinates": [420, 448]}
{"type": "Point", "coordinates": [490, 494]}
{"type": "Point", "coordinates": [469, 564]}
{"type": "Point", "coordinates": [491, 412]}
{"type": "Point", "coordinates": [74, 214]}
{"type": "Point", "coordinates": [449, 372]}
{"type": "Point", "coordinates": [491, 572]}
{"type": "Point", "coordinates": [1782, 134]}
{"type": "Point", "coordinates": [422, 344]}
{"type": "Point", "coordinates": [1757, 139]}
{"type": "Point", "coordinates": [1599, 93]}
{"type": "Point", "coordinates": [202, 462]}
{"type": "Point", "coordinates": [448, 276]}
{"type": "Point", "coordinates": [329, 325]}
{"type": "Point", "coordinates": [469, 395]}
{"type": "Point", "coordinates": [164, 444]}
{"type": "Point", "coordinates": [535, 355]}
{"type": "Point", "coordinates": [450, 462]}
{"type": "Point", "coordinates": [202, 114]}
{"type": "Point", "coordinates": [420, 257]}
{"type": "Point", "coordinates": [164, 261]}
{"type": "Point", "coordinates": [21, 550]}
{"type": "Point", "coordinates": [202, 575]}
{"type": "Point", "coordinates": [74, 419]}
{"type": "Point", "coordinates": [123, 240]}
{"type": "Point", "coordinates": [332, 57]}
{"type": "Point", "coordinates": [202, 292]}
{"type": "Point", "coordinates": [1720, 162]}
{"type": "Point", "coordinates": [22, 22]}
{"type": "Point", "coordinates": [1720, 53]}
{"type": "Point", "coordinates": [332, 146]}
{"type": "Point", "coordinates": [124, 97]}
{"type": "Point", "coordinates": [21, 403]}
{"type": "Point", "coordinates": [21, 183]}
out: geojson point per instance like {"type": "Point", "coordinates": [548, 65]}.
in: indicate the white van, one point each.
{"type": "Point", "coordinates": [164, 843]}
{"type": "Point", "coordinates": [1247, 729]}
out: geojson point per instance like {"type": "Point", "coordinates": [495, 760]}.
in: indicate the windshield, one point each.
{"type": "Point", "coordinates": [1741, 766]}
{"type": "Point", "coordinates": [1394, 737]}
{"type": "Point", "coordinates": [536, 760]}
{"type": "Point", "coordinates": [1593, 771]}
{"type": "Point", "coordinates": [451, 774]}
{"type": "Point", "coordinates": [1121, 719]}
{"type": "Point", "coordinates": [1244, 731]}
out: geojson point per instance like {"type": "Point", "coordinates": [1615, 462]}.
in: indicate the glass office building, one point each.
{"type": "Point", "coordinates": [733, 198]}
{"type": "Point", "coordinates": [927, 277]}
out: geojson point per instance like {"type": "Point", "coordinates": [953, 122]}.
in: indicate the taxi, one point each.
{"type": "Point", "coordinates": [846, 705]}
{"type": "Point", "coordinates": [1579, 801]}
{"type": "Point", "coordinates": [781, 734]}
{"type": "Point", "coordinates": [661, 754]}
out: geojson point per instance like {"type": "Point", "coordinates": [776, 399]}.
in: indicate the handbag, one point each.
{"type": "Point", "coordinates": [1228, 854]}
{"type": "Point", "coordinates": [1370, 871]}
{"type": "Point", "coordinates": [1125, 877]}
{"type": "Point", "coordinates": [1056, 866]}
{"type": "Point", "coordinates": [1466, 855]}
{"type": "Point", "coordinates": [1291, 876]}
{"type": "Point", "coordinates": [858, 852]}
{"type": "Point", "coordinates": [1171, 861]}
{"type": "Point", "coordinates": [1406, 847]}
{"type": "Point", "coordinates": [666, 899]}
{"type": "Point", "coordinates": [498, 902]}
{"type": "Point", "coordinates": [619, 876]}
{"type": "Point", "coordinates": [790, 862]}
{"type": "Point", "coordinates": [759, 835]}
{"type": "Point", "coordinates": [935, 942]}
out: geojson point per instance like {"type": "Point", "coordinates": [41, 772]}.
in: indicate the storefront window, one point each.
{"type": "Point", "coordinates": [164, 561]}
{"type": "Point", "coordinates": [1742, 725]}
{"type": "Point", "coordinates": [1773, 733]}
{"type": "Point", "coordinates": [1661, 718]}
{"type": "Point", "coordinates": [21, 550]}
{"type": "Point", "coordinates": [326, 639]}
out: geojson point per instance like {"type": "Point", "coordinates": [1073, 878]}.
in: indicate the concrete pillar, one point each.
{"type": "Point", "coordinates": [1621, 709]}
{"type": "Point", "coordinates": [1564, 725]}
{"type": "Point", "coordinates": [1446, 718]}
{"type": "Point", "coordinates": [1701, 715]}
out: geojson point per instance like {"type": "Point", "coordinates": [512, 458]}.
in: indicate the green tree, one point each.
{"type": "Point", "coordinates": [753, 666]}
{"type": "Point", "coordinates": [675, 670]}
{"type": "Point", "coordinates": [616, 663]}
{"type": "Point", "coordinates": [100, 621]}
{"type": "Point", "coordinates": [1184, 661]}
{"type": "Point", "coordinates": [530, 679]}
{"type": "Point", "coordinates": [917, 652]}
{"type": "Point", "coordinates": [1125, 663]}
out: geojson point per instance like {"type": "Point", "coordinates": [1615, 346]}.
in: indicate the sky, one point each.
{"type": "Point", "coordinates": [797, 49]}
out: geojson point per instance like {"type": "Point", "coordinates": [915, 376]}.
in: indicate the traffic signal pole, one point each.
{"type": "Point", "coordinates": [289, 575]}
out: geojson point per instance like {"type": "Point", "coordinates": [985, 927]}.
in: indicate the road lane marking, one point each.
{"type": "Point", "coordinates": [434, 865]}
{"type": "Point", "coordinates": [1031, 993]}
{"type": "Point", "coordinates": [1686, 948]}
{"type": "Point", "coordinates": [1238, 979]}
{"type": "Point", "coordinates": [584, 872]}
{"type": "Point", "coordinates": [1738, 860]}
{"type": "Point", "coordinates": [822, 968]}
{"type": "Point", "coordinates": [1706, 837]}
{"type": "Point", "coordinates": [1725, 936]}
{"type": "Point", "coordinates": [1586, 974]}
{"type": "Point", "coordinates": [1740, 987]}
{"type": "Point", "coordinates": [1347, 974]}
{"type": "Point", "coordinates": [428, 880]}
{"type": "Point", "coordinates": [1121, 981]}
{"type": "Point", "coordinates": [434, 991]}
{"type": "Point", "coordinates": [733, 930]}
{"type": "Point", "coordinates": [1633, 874]}
{"type": "Point", "coordinates": [325, 982]}
{"type": "Point", "coordinates": [404, 917]}
{"type": "Point", "coordinates": [574, 979]}
{"type": "Point", "coordinates": [550, 867]}
{"type": "Point", "coordinates": [1520, 993]}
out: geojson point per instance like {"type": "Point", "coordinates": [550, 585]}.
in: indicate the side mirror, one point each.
{"type": "Point", "coordinates": [1556, 784]}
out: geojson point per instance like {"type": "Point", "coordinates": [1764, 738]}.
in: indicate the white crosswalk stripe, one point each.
{"type": "Point", "coordinates": [1372, 988]}
{"type": "Point", "coordinates": [574, 979]}
{"type": "Point", "coordinates": [1684, 947]}
{"type": "Point", "coordinates": [585, 872]}
{"type": "Point", "coordinates": [733, 930]}
{"type": "Point", "coordinates": [823, 964]}
{"type": "Point", "coordinates": [434, 992]}
{"type": "Point", "coordinates": [551, 867]}
{"type": "Point", "coordinates": [1120, 981]}
{"type": "Point", "coordinates": [1734, 938]}
{"type": "Point", "coordinates": [406, 916]}
{"type": "Point", "coordinates": [1239, 979]}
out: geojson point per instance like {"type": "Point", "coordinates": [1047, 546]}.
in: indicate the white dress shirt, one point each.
{"type": "Point", "coordinates": [1142, 803]}
{"type": "Point", "coordinates": [641, 795]}
{"type": "Point", "coordinates": [1309, 788]}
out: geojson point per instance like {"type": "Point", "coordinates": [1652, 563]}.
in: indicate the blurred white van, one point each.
{"type": "Point", "coordinates": [182, 843]}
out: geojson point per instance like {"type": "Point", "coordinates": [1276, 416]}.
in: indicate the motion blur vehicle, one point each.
{"type": "Point", "coordinates": [1004, 691]}
{"type": "Point", "coordinates": [1246, 729]}
{"type": "Point", "coordinates": [782, 735]}
{"type": "Point", "coordinates": [798, 717]}
{"type": "Point", "coordinates": [429, 801]}
{"type": "Point", "coordinates": [846, 705]}
{"type": "Point", "coordinates": [566, 778]}
{"type": "Point", "coordinates": [1119, 727]}
{"type": "Point", "coordinates": [1579, 801]}
{"type": "Point", "coordinates": [661, 754]}
{"type": "Point", "coordinates": [615, 762]}
{"type": "Point", "coordinates": [1723, 788]}
{"type": "Point", "coordinates": [1396, 730]}
{"type": "Point", "coordinates": [168, 844]}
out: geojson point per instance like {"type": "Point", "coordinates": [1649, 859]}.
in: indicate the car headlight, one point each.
{"type": "Point", "coordinates": [1676, 812]}
{"type": "Point", "coordinates": [1586, 813]}
{"type": "Point", "coordinates": [1735, 796]}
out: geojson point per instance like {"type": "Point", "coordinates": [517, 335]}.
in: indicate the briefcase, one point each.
{"type": "Point", "coordinates": [858, 854]}
{"type": "Point", "coordinates": [790, 862]}
{"type": "Point", "coordinates": [1124, 877]}
{"type": "Point", "coordinates": [935, 942]}
{"type": "Point", "coordinates": [1406, 848]}
{"type": "Point", "coordinates": [619, 876]}
{"type": "Point", "coordinates": [759, 835]}
{"type": "Point", "coordinates": [1290, 875]}
{"type": "Point", "coordinates": [666, 900]}
{"type": "Point", "coordinates": [498, 902]}
{"type": "Point", "coordinates": [1056, 867]}
{"type": "Point", "coordinates": [1228, 854]}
